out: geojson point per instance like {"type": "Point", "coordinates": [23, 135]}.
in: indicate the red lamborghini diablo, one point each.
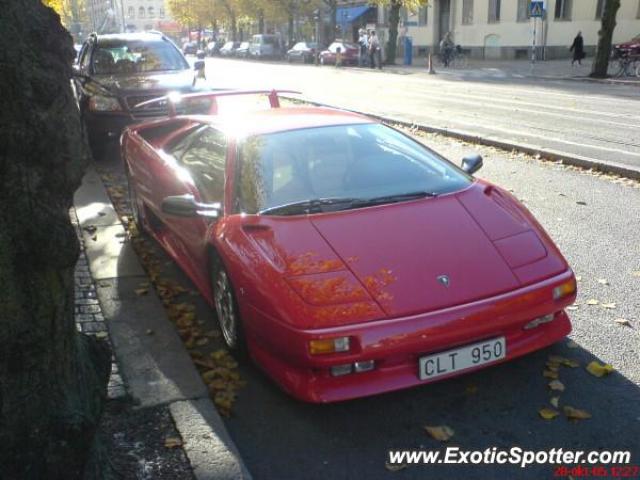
{"type": "Point", "coordinates": [346, 258]}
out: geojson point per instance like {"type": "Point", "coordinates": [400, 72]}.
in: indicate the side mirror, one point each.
{"type": "Point", "coordinates": [198, 65]}
{"type": "Point", "coordinates": [472, 163]}
{"type": "Point", "coordinates": [186, 206]}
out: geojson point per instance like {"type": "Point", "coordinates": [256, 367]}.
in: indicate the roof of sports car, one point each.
{"type": "Point", "coordinates": [281, 119]}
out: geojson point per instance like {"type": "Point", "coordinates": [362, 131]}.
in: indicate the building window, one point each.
{"type": "Point", "coordinates": [141, 12]}
{"type": "Point", "coordinates": [423, 18]}
{"type": "Point", "coordinates": [131, 12]}
{"type": "Point", "coordinates": [161, 12]}
{"type": "Point", "coordinates": [523, 10]}
{"type": "Point", "coordinates": [151, 12]}
{"type": "Point", "coordinates": [600, 9]}
{"type": "Point", "coordinates": [563, 10]}
{"type": "Point", "coordinates": [494, 11]}
{"type": "Point", "coordinates": [467, 12]}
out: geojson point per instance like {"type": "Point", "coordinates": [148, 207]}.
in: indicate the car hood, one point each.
{"type": "Point", "coordinates": [162, 81]}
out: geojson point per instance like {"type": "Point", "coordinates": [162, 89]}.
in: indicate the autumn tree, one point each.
{"type": "Point", "coordinates": [52, 378]}
{"type": "Point", "coordinates": [394, 20]}
{"type": "Point", "coordinates": [605, 36]}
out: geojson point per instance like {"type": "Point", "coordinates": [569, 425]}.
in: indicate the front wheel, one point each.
{"type": "Point", "coordinates": [227, 309]}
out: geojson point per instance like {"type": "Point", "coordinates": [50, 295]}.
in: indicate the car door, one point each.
{"type": "Point", "coordinates": [204, 159]}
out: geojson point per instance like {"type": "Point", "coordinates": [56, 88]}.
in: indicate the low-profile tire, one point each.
{"type": "Point", "coordinates": [227, 310]}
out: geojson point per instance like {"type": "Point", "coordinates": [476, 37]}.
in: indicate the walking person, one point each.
{"type": "Point", "coordinates": [577, 47]}
{"type": "Point", "coordinates": [375, 54]}
{"type": "Point", "coordinates": [363, 41]}
{"type": "Point", "coordinates": [446, 48]}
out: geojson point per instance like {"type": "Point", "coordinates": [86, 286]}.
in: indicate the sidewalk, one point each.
{"type": "Point", "coordinates": [162, 394]}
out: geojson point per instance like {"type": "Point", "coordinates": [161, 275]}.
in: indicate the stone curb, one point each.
{"type": "Point", "coordinates": [155, 366]}
{"type": "Point", "coordinates": [604, 166]}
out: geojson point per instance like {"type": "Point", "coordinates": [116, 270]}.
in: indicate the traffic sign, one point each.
{"type": "Point", "coordinates": [536, 9]}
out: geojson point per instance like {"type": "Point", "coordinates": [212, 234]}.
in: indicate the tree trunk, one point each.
{"type": "Point", "coordinates": [333, 22]}
{"type": "Point", "coordinates": [234, 26]}
{"type": "Point", "coordinates": [290, 27]}
{"type": "Point", "coordinates": [603, 50]}
{"type": "Point", "coordinates": [261, 21]}
{"type": "Point", "coordinates": [52, 379]}
{"type": "Point", "coordinates": [394, 20]}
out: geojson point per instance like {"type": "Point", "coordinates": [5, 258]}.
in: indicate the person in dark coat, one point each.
{"type": "Point", "coordinates": [577, 47]}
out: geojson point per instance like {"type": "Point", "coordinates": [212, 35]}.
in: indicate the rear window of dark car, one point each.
{"type": "Point", "coordinates": [136, 56]}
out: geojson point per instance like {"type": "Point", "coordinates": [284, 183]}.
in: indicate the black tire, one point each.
{"type": "Point", "coordinates": [136, 215]}
{"type": "Point", "coordinates": [227, 311]}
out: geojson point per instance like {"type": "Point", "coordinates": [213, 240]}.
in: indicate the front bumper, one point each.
{"type": "Point", "coordinates": [397, 344]}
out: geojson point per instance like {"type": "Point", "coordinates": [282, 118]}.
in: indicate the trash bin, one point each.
{"type": "Point", "coordinates": [408, 50]}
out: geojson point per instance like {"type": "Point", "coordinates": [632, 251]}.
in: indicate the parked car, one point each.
{"type": "Point", "coordinates": [303, 52]}
{"type": "Point", "coordinates": [116, 72]}
{"type": "Point", "coordinates": [349, 51]}
{"type": "Point", "coordinates": [213, 48]}
{"type": "Point", "coordinates": [347, 258]}
{"type": "Point", "coordinates": [632, 47]}
{"type": "Point", "coordinates": [190, 48]}
{"type": "Point", "coordinates": [242, 51]}
{"type": "Point", "coordinates": [228, 49]}
{"type": "Point", "coordinates": [265, 46]}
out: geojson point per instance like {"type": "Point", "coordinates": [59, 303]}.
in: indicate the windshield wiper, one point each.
{"type": "Point", "coordinates": [308, 206]}
{"type": "Point", "coordinates": [400, 197]}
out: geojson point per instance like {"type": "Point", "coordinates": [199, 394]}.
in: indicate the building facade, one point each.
{"type": "Point", "coordinates": [502, 29]}
{"type": "Point", "coordinates": [107, 16]}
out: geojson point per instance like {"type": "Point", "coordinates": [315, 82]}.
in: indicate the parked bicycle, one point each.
{"type": "Point", "coordinates": [457, 58]}
{"type": "Point", "coordinates": [626, 66]}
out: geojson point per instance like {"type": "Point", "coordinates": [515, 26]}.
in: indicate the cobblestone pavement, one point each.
{"type": "Point", "coordinates": [88, 314]}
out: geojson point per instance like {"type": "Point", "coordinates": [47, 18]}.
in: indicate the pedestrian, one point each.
{"type": "Point", "coordinates": [375, 54]}
{"type": "Point", "coordinates": [338, 56]}
{"type": "Point", "coordinates": [446, 48]}
{"type": "Point", "coordinates": [363, 41]}
{"type": "Point", "coordinates": [577, 47]}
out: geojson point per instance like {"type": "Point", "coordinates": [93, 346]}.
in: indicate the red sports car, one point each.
{"type": "Point", "coordinates": [345, 257]}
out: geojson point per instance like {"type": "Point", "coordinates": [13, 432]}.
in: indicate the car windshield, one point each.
{"type": "Point", "coordinates": [356, 162]}
{"type": "Point", "coordinates": [126, 56]}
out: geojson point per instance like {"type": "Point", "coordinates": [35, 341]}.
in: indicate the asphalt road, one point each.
{"type": "Point", "coordinates": [597, 121]}
{"type": "Point", "coordinates": [281, 438]}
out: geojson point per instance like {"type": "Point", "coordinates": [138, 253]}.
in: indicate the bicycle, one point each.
{"type": "Point", "coordinates": [626, 66]}
{"type": "Point", "coordinates": [457, 58]}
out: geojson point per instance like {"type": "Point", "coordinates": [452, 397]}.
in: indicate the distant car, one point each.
{"type": "Point", "coordinates": [265, 46]}
{"type": "Point", "coordinates": [116, 72]}
{"type": "Point", "coordinates": [347, 258]}
{"type": "Point", "coordinates": [349, 52]}
{"type": "Point", "coordinates": [190, 48]}
{"type": "Point", "coordinates": [213, 48]}
{"type": "Point", "coordinates": [632, 47]}
{"type": "Point", "coordinates": [303, 52]}
{"type": "Point", "coordinates": [242, 51]}
{"type": "Point", "coordinates": [228, 49]}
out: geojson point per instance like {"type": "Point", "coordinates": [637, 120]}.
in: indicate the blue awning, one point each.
{"type": "Point", "coordinates": [346, 15]}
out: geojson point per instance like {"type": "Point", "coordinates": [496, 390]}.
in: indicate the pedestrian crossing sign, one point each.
{"type": "Point", "coordinates": [536, 9]}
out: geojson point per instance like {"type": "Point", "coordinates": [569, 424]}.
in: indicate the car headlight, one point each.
{"type": "Point", "coordinates": [99, 103]}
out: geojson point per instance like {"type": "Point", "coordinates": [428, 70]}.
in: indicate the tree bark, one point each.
{"type": "Point", "coordinates": [605, 35]}
{"type": "Point", "coordinates": [261, 21]}
{"type": "Point", "coordinates": [52, 379]}
{"type": "Point", "coordinates": [333, 22]}
{"type": "Point", "coordinates": [394, 20]}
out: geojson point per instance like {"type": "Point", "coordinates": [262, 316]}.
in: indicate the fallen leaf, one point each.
{"type": "Point", "coordinates": [393, 467]}
{"type": "Point", "coordinates": [441, 433]}
{"type": "Point", "coordinates": [550, 374]}
{"type": "Point", "coordinates": [572, 308]}
{"type": "Point", "coordinates": [609, 306]}
{"type": "Point", "coordinates": [598, 369]}
{"type": "Point", "coordinates": [554, 401]}
{"type": "Point", "coordinates": [580, 202]}
{"type": "Point", "coordinates": [554, 367]}
{"type": "Point", "coordinates": [548, 413]}
{"type": "Point", "coordinates": [592, 301]}
{"type": "Point", "coordinates": [575, 413]}
{"type": "Point", "coordinates": [623, 321]}
{"type": "Point", "coordinates": [172, 442]}
{"type": "Point", "coordinates": [149, 331]}
{"type": "Point", "coordinates": [141, 291]}
{"type": "Point", "coordinates": [578, 278]}
{"type": "Point", "coordinates": [636, 273]}
{"type": "Point", "coordinates": [603, 281]}
{"type": "Point", "coordinates": [570, 363]}
{"type": "Point", "coordinates": [556, 385]}
{"type": "Point", "coordinates": [572, 344]}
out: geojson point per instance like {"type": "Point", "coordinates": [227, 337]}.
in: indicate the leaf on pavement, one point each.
{"type": "Point", "coordinates": [578, 278]}
{"type": "Point", "coordinates": [395, 467]}
{"type": "Point", "coordinates": [550, 374]}
{"type": "Point", "coordinates": [623, 321]}
{"type": "Point", "coordinates": [592, 301]}
{"type": "Point", "coordinates": [575, 413]}
{"type": "Point", "coordinates": [556, 385]}
{"type": "Point", "coordinates": [554, 401]}
{"type": "Point", "coordinates": [598, 369]}
{"type": "Point", "coordinates": [580, 202]}
{"type": "Point", "coordinates": [609, 306]}
{"type": "Point", "coordinates": [603, 281]}
{"type": "Point", "coordinates": [172, 442]}
{"type": "Point", "coordinates": [141, 291]}
{"type": "Point", "coordinates": [572, 308]}
{"type": "Point", "coordinates": [572, 344]}
{"type": "Point", "coordinates": [441, 433]}
{"type": "Point", "coordinates": [548, 413]}
{"type": "Point", "coordinates": [636, 273]}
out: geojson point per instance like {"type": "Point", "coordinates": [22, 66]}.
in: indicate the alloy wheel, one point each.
{"type": "Point", "coordinates": [225, 309]}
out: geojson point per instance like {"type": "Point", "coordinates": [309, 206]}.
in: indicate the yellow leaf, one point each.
{"type": "Point", "coordinates": [441, 433]}
{"type": "Point", "coordinates": [550, 374]}
{"type": "Point", "coordinates": [592, 301]}
{"type": "Point", "coordinates": [172, 442]}
{"type": "Point", "coordinates": [603, 281]}
{"type": "Point", "coordinates": [554, 401]}
{"type": "Point", "coordinates": [393, 467]}
{"type": "Point", "coordinates": [556, 385]}
{"type": "Point", "coordinates": [554, 367]}
{"type": "Point", "coordinates": [598, 369]}
{"type": "Point", "coordinates": [575, 414]}
{"type": "Point", "coordinates": [572, 308]}
{"type": "Point", "coordinates": [609, 306]}
{"type": "Point", "coordinates": [623, 321]}
{"type": "Point", "coordinates": [548, 413]}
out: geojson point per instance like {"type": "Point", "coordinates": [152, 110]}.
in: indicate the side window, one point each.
{"type": "Point", "coordinates": [179, 146]}
{"type": "Point", "coordinates": [206, 159]}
